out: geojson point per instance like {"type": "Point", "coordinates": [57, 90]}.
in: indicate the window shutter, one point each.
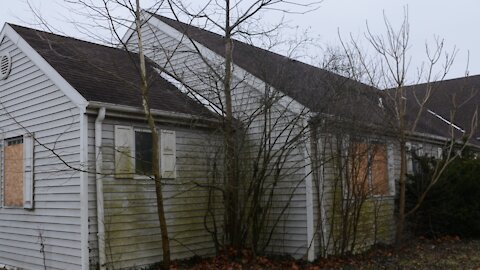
{"type": "Point", "coordinates": [419, 150]}
{"type": "Point", "coordinates": [409, 161]}
{"type": "Point", "coordinates": [391, 168]}
{"type": "Point", "coordinates": [167, 154]}
{"type": "Point", "coordinates": [439, 153]}
{"type": "Point", "coordinates": [124, 156]}
{"type": "Point", "coordinates": [28, 185]}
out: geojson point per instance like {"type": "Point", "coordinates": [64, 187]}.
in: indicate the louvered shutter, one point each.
{"type": "Point", "coordinates": [28, 181]}
{"type": "Point", "coordinates": [167, 154]}
{"type": "Point", "coordinates": [124, 156]}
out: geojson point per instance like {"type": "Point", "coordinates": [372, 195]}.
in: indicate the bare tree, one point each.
{"type": "Point", "coordinates": [104, 15]}
{"type": "Point", "coordinates": [237, 15]}
{"type": "Point", "coordinates": [389, 68]}
{"type": "Point", "coordinates": [245, 182]}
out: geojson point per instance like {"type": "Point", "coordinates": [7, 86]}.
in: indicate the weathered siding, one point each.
{"type": "Point", "coordinates": [290, 236]}
{"type": "Point", "coordinates": [50, 233]}
{"type": "Point", "coordinates": [376, 219]}
{"type": "Point", "coordinates": [131, 222]}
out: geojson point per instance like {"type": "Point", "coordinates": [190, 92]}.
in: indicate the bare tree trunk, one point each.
{"type": "Point", "coordinates": [402, 197]}
{"type": "Point", "coordinates": [155, 140]}
{"type": "Point", "coordinates": [232, 223]}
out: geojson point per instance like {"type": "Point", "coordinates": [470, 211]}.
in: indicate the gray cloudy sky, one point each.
{"type": "Point", "coordinates": [455, 21]}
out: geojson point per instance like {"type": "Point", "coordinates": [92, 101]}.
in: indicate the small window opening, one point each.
{"type": "Point", "coordinates": [143, 153]}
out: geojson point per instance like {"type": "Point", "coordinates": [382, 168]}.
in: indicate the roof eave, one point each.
{"type": "Point", "coordinates": [177, 117]}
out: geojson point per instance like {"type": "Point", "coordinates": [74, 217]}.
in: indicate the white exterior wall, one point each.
{"type": "Point", "coordinates": [30, 98]}
{"type": "Point", "coordinates": [131, 222]}
{"type": "Point", "coordinates": [376, 223]}
{"type": "Point", "coordinates": [291, 236]}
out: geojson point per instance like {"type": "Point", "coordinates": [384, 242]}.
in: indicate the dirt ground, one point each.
{"type": "Point", "coordinates": [445, 253]}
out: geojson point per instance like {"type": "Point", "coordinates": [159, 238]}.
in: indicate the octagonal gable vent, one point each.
{"type": "Point", "coordinates": [5, 65]}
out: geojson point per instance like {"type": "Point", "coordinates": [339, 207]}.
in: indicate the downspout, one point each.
{"type": "Point", "coordinates": [99, 182]}
{"type": "Point", "coordinates": [309, 195]}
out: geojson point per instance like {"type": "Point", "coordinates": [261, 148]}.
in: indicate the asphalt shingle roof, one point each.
{"type": "Point", "coordinates": [326, 92]}
{"type": "Point", "coordinates": [455, 100]}
{"type": "Point", "coordinates": [317, 89]}
{"type": "Point", "coordinates": [106, 74]}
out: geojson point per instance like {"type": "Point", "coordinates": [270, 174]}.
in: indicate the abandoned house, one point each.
{"type": "Point", "coordinates": [76, 150]}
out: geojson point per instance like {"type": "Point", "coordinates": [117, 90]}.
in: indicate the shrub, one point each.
{"type": "Point", "coordinates": [452, 206]}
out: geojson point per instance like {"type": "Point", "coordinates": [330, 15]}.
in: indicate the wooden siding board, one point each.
{"type": "Point", "coordinates": [377, 220]}
{"type": "Point", "coordinates": [245, 101]}
{"type": "Point", "coordinates": [39, 105]}
{"type": "Point", "coordinates": [130, 204]}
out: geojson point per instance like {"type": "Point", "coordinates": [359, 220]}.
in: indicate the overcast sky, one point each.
{"type": "Point", "coordinates": [455, 21]}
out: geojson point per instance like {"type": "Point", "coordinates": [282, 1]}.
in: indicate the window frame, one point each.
{"type": "Point", "coordinates": [131, 172]}
{"type": "Point", "coordinates": [134, 156]}
{"type": "Point", "coordinates": [28, 151]}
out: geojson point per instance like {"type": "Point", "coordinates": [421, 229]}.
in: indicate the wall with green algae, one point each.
{"type": "Point", "coordinates": [131, 222]}
{"type": "Point", "coordinates": [345, 223]}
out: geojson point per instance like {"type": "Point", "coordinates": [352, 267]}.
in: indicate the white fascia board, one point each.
{"type": "Point", "coordinates": [435, 139]}
{"type": "Point", "coordinates": [256, 83]}
{"type": "Point", "coordinates": [129, 110]}
{"type": "Point", "coordinates": [427, 137]}
{"type": "Point", "coordinates": [307, 152]}
{"type": "Point", "coordinates": [45, 67]}
{"type": "Point", "coordinates": [84, 230]}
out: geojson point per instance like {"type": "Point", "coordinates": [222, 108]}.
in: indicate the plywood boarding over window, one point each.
{"type": "Point", "coordinates": [14, 175]}
{"type": "Point", "coordinates": [380, 170]}
{"type": "Point", "coordinates": [359, 168]}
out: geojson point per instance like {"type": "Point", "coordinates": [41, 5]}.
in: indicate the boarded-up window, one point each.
{"type": "Point", "coordinates": [379, 170]}
{"type": "Point", "coordinates": [368, 169]}
{"type": "Point", "coordinates": [358, 168]}
{"type": "Point", "coordinates": [13, 172]}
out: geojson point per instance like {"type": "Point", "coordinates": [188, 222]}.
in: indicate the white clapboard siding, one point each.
{"type": "Point", "coordinates": [290, 237]}
{"type": "Point", "coordinates": [32, 99]}
{"type": "Point", "coordinates": [379, 229]}
{"type": "Point", "coordinates": [131, 220]}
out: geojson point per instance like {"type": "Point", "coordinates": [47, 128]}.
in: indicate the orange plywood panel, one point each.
{"type": "Point", "coordinates": [14, 175]}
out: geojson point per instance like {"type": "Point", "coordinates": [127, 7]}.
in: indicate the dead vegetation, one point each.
{"type": "Point", "coordinates": [449, 252]}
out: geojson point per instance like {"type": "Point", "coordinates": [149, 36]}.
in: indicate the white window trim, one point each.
{"type": "Point", "coordinates": [24, 206]}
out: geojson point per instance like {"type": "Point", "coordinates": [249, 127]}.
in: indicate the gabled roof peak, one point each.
{"type": "Point", "coordinates": [106, 74]}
